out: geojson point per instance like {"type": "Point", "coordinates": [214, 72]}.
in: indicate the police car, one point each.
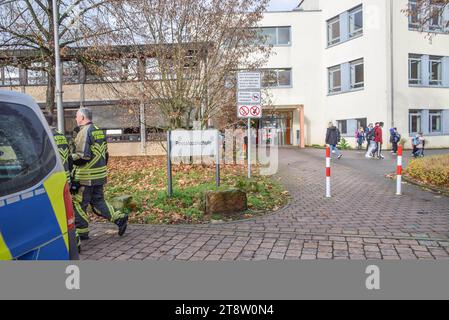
{"type": "Point", "coordinates": [36, 215]}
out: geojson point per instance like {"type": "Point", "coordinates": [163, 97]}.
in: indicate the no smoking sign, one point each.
{"type": "Point", "coordinates": [245, 111]}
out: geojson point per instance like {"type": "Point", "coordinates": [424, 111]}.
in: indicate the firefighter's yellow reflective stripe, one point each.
{"type": "Point", "coordinates": [55, 190]}
{"type": "Point", "coordinates": [82, 231]}
{"type": "Point", "coordinates": [81, 212]}
{"type": "Point", "coordinates": [64, 155]}
{"type": "Point", "coordinates": [5, 254]}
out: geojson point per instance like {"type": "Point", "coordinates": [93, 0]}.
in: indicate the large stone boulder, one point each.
{"type": "Point", "coordinates": [226, 203]}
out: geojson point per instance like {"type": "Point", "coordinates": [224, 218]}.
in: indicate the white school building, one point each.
{"type": "Point", "coordinates": [356, 62]}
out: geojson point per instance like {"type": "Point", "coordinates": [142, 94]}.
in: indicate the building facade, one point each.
{"type": "Point", "coordinates": [355, 62]}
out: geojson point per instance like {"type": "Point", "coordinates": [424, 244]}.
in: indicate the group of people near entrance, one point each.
{"type": "Point", "coordinates": [85, 161]}
{"type": "Point", "coordinates": [373, 137]}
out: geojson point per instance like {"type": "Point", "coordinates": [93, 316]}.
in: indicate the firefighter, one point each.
{"type": "Point", "coordinates": [63, 146]}
{"type": "Point", "coordinates": [66, 156]}
{"type": "Point", "coordinates": [90, 175]}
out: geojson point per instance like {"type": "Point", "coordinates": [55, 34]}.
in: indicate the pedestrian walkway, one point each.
{"type": "Point", "coordinates": [363, 220]}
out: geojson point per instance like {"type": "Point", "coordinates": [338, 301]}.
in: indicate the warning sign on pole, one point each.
{"type": "Point", "coordinates": [245, 112]}
{"type": "Point", "coordinates": [249, 103]}
{"type": "Point", "coordinates": [249, 97]}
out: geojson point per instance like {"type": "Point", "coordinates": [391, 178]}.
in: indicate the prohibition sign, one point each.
{"type": "Point", "coordinates": [255, 111]}
{"type": "Point", "coordinates": [244, 111]}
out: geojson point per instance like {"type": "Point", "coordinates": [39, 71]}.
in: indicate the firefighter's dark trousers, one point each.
{"type": "Point", "coordinates": [93, 196]}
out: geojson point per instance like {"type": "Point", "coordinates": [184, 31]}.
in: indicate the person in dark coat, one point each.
{"type": "Point", "coordinates": [333, 138]}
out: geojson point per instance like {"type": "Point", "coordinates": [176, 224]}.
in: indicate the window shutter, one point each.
{"type": "Point", "coordinates": [425, 73]}
{"type": "Point", "coordinates": [445, 118]}
{"type": "Point", "coordinates": [446, 71]}
{"type": "Point", "coordinates": [425, 121]}
{"type": "Point", "coordinates": [344, 26]}
{"type": "Point", "coordinates": [446, 18]}
{"type": "Point", "coordinates": [345, 77]}
{"type": "Point", "coordinates": [352, 127]}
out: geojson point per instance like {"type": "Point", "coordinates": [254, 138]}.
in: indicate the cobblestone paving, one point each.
{"type": "Point", "coordinates": [364, 220]}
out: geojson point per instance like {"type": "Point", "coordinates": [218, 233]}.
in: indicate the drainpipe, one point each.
{"type": "Point", "coordinates": [392, 61]}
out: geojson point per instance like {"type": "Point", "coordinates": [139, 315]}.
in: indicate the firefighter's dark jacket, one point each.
{"type": "Point", "coordinates": [91, 156]}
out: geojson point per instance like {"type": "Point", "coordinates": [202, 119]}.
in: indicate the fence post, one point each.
{"type": "Point", "coordinates": [328, 172]}
{"type": "Point", "coordinates": [399, 172]}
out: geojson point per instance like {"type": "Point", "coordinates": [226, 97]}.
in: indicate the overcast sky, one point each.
{"type": "Point", "coordinates": [276, 5]}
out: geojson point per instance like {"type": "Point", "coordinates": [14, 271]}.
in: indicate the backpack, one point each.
{"type": "Point", "coordinates": [370, 135]}
{"type": "Point", "coordinates": [415, 141]}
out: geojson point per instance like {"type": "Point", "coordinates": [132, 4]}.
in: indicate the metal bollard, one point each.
{"type": "Point", "coordinates": [399, 172]}
{"type": "Point", "coordinates": [328, 172]}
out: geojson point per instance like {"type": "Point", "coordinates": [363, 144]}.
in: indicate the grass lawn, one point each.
{"type": "Point", "coordinates": [145, 179]}
{"type": "Point", "coordinates": [432, 171]}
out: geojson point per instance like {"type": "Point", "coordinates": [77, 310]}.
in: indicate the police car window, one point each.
{"type": "Point", "coordinates": [26, 153]}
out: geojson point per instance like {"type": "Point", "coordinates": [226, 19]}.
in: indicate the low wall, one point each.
{"type": "Point", "coordinates": [123, 149]}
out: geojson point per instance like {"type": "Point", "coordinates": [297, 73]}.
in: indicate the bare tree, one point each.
{"type": "Point", "coordinates": [28, 25]}
{"type": "Point", "coordinates": [428, 15]}
{"type": "Point", "coordinates": [189, 52]}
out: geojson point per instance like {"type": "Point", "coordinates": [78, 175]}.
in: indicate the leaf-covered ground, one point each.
{"type": "Point", "coordinates": [145, 179]}
{"type": "Point", "coordinates": [433, 171]}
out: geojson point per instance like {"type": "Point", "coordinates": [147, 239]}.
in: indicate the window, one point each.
{"type": "Point", "coordinates": [275, 36]}
{"type": "Point", "coordinates": [357, 74]}
{"type": "Point", "coordinates": [10, 76]}
{"type": "Point", "coordinates": [435, 11]}
{"type": "Point", "coordinates": [268, 35]}
{"type": "Point", "coordinates": [333, 31]}
{"type": "Point", "coordinates": [343, 126]}
{"type": "Point", "coordinates": [70, 72]}
{"type": "Point", "coordinates": [436, 18]}
{"type": "Point", "coordinates": [362, 123]}
{"type": "Point", "coordinates": [152, 71]}
{"type": "Point", "coordinates": [356, 22]}
{"type": "Point", "coordinates": [414, 69]}
{"type": "Point", "coordinates": [435, 122]}
{"type": "Point", "coordinates": [414, 17]}
{"type": "Point", "coordinates": [284, 36]}
{"type": "Point", "coordinates": [36, 74]}
{"type": "Point", "coordinates": [130, 70]}
{"type": "Point", "coordinates": [335, 79]}
{"type": "Point", "coordinates": [415, 121]}
{"type": "Point", "coordinates": [276, 78]}
{"type": "Point", "coordinates": [435, 70]}
{"type": "Point", "coordinates": [26, 153]}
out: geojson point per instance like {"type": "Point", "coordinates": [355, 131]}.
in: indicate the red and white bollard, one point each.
{"type": "Point", "coordinates": [328, 172]}
{"type": "Point", "coordinates": [399, 172]}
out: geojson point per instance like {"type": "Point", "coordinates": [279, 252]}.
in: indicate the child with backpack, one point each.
{"type": "Point", "coordinates": [395, 137]}
{"type": "Point", "coordinates": [418, 145]}
{"type": "Point", "coordinates": [360, 137]}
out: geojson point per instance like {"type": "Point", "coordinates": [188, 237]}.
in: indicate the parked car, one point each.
{"type": "Point", "coordinates": [36, 214]}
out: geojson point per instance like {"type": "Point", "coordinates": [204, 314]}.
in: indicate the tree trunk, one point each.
{"type": "Point", "coordinates": [50, 102]}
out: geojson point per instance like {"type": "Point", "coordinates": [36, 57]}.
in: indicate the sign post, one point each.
{"type": "Point", "coordinates": [249, 103]}
{"type": "Point", "coordinates": [169, 170]}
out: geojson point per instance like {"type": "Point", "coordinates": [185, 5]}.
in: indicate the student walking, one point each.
{"type": "Point", "coordinates": [378, 139]}
{"type": "Point", "coordinates": [418, 145]}
{"type": "Point", "coordinates": [360, 137]}
{"type": "Point", "coordinates": [395, 137]}
{"type": "Point", "coordinates": [369, 135]}
{"type": "Point", "coordinates": [333, 138]}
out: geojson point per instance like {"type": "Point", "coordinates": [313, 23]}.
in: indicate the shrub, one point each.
{"type": "Point", "coordinates": [344, 145]}
{"type": "Point", "coordinates": [432, 170]}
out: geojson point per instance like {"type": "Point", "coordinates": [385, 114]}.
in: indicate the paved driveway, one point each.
{"type": "Point", "coordinates": [363, 220]}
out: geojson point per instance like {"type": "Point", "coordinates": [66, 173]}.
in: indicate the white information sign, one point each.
{"type": "Point", "coordinates": [194, 143]}
{"type": "Point", "coordinates": [249, 98]}
{"type": "Point", "coordinates": [248, 81]}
